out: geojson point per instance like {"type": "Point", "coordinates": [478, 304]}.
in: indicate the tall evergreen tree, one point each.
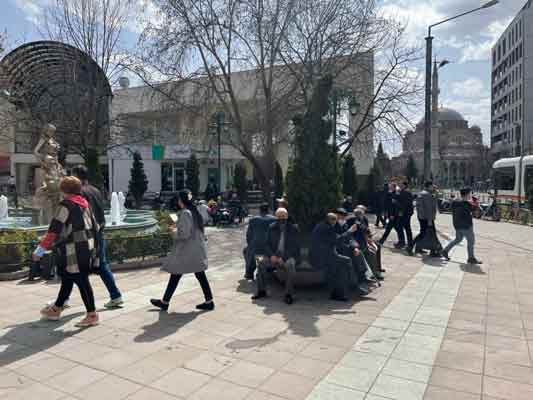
{"type": "Point", "coordinates": [138, 182]}
{"type": "Point", "coordinates": [383, 162]}
{"type": "Point", "coordinates": [349, 176]}
{"type": "Point", "coordinates": [193, 175]}
{"type": "Point", "coordinates": [411, 171]}
{"type": "Point", "coordinates": [278, 181]}
{"type": "Point", "coordinates": [239, 180]}
{"type": "Point", "coordinates": [313, 188]}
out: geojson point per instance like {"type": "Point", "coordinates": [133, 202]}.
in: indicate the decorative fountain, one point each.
{"type": "Point", "coordinates": [48, 196]}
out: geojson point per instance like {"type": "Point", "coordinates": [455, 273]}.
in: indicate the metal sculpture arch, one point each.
{"type": "Point", "coordinates": [53, 82]}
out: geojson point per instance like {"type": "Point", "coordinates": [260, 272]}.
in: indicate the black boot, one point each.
{"type": "Point", "coordinates": [206, 306]}
{"type": "Point", "coordinates": [159, 304]}
{"type": "Point", "coordinates": [259, 295]}
{"type": "Point", "coordinates": [289, 299]}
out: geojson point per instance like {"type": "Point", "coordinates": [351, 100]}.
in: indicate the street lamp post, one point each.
{"type": "Point", "coordinates": [353, 108]}
{"type": "Point", "coordinates": [427, 115]}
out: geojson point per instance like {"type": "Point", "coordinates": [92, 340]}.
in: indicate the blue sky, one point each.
{"type": "Point", "coordinates": [465, 83]}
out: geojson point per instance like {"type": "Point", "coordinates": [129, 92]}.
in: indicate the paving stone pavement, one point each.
{"type": "Point", "coordinates": [433, 331]}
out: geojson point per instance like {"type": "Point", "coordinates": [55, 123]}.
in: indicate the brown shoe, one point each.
{"type": "Point", "coordinates": [88, 321]}
{"type": "Point", "coordinates": [51, 313]}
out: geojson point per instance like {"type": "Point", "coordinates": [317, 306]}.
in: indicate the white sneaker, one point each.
{"type": "Point", "coordinates": [114, 303]}
{"type": "Point", "coordinates": [53, 302]}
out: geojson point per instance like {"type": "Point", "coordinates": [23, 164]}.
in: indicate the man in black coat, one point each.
{"type": "Point", "coordinates": [392, 211]}
{"type": "Point", "coordinates": [256, 239]}
{"type": "Point", "coordinates": [94, 197]}
{"type": "Point", "coordinates": [406, 211]}
{"type": "Point", "coordinates": [282, 252]}
{"type": "Point", "coordinates": [348, 246]}
{"type": "Point", "coordinates": [324, 256]}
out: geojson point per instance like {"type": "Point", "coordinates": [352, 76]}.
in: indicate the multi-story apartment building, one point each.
{"type": "Point", "coordinates": [512, 88]}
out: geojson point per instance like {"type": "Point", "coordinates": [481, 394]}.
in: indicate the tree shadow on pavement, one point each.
{"type": "Point", "coordinates": [311, 303]}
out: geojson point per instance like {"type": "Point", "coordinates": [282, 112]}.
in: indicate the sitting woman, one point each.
{"type": "Point", "coordinates": [71, 234]}
{"type": "Point", "coordinates": [189, 254]}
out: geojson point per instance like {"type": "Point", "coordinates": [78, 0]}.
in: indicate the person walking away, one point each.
{"type": "Point", "coordinates": [392, 211]}
{"type": "Point", "coordinates": [203, 209]}
{"type": "Point", "coordinates": [405, 202]}
{"type": "Point", "coordinates": [426, 209]}
{"type": "Point", "coordinates": [96, 203]}
{"type": "Point", "coordinates": [282, 252]}
{"type": "Point", "coordinates": [256, 239]}
{"type": "Point", "coordinates": [381, 195]}
{"type": "Point", "coordinates": [189, 254]}
{"type": "Point", "coordinates": [464, 227]}
{"type": "Point", "coordinates": [72, 233]}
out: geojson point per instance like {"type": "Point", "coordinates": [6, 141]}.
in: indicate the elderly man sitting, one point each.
{"type": "Point", "coordinates": [369, 248]}
{"type": "Point", "coordinates": [282, 252]}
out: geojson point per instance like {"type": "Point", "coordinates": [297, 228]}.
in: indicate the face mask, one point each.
{"type": "Point", "coordinates": [341, 222]}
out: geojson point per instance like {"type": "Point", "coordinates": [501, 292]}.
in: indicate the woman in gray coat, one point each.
{"type": "Point", "coordinates": [189, 254]}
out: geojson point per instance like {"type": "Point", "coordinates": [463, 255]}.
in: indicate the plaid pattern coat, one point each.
{"type": "Point", "coordinates": [72, 234]}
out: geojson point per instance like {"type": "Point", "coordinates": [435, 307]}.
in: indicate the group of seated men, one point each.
{"type": "Point", "coordinates": [341, 246]}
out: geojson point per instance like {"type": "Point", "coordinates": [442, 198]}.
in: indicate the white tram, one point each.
{"type": "Point", "coordinates": [512, 177]}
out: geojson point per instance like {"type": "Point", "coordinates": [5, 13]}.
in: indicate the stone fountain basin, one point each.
{"type": "Point", "coordinates": [135, 221]}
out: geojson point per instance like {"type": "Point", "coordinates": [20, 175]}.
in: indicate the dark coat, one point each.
{"type": "Point", "coordinates": [359, 235]}
{"type": "Point", "coordinates": [426, 206]}
{"type": "Point", "coordinates": [379, 200]}
{"type": "Point", "coordinates": [328, 240]}
{"type": "Point", "coordinates": [96, 203]}
{"type": "Point", "coordinates": [292, 242]}
{"type": "Point", "coordinates": [257, 233]}
{"type": "Point", "coordinates": [391, 204]}
{"type": "Point", "coordinates": [405, 202]}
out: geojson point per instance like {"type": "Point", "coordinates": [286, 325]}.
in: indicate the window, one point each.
{"type": "Point", "coordinates": [505, 178]}
{"type": "Point", "coordinates": [528, 177]}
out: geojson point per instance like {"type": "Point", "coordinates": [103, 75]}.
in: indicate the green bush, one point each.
{"type": "Point", "coordinates": [15, 246]}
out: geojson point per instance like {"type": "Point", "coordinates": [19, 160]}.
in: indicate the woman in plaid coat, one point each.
{"type": "Point", "coordinates": [72, 235]}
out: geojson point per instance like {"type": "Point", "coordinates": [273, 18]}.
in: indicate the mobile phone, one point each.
{"type": "Point", "coordinates": [174, 217]}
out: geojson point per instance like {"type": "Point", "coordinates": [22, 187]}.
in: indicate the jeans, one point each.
{"type": "Point", "coordinates": [460, 234]}
{"type": "Point", "coordinates": [105, 271]}
{"type": "Point", "coordinates": [84, 285]}
{"type": "Point", "coordinates": [175, 279]}
{"type": "Point", "coordinates": [289, 266]}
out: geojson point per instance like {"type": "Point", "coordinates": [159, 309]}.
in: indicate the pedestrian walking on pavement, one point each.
{"type": "Point", "coordinates": [426, 209]}
{"type": "Point", "coordinates": [96, 203]}
{"type": "Point", "coordinates": [405, 202]}
{"type": "Point", "coordinates": [189, 254]}
{"type": "Point", "coordinates": [464, 227]}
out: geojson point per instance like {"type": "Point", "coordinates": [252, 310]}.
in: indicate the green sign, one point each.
{"type": "Point", "coordinates": [158, 152]}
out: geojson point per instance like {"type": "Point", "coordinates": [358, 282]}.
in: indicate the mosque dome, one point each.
{"type": "Point", "coordinates": [448, 115]}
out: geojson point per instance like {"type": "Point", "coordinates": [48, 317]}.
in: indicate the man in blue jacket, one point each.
{"type": "Point", "coordinates": [256, 239]}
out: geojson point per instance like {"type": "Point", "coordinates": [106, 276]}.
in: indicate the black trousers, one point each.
{"type": "Point", "coordinates": [405, 226]}
{"type": "Point", "coordinates": [337, 274]}
{"type": "Point", "coordinates": [380, 218]}
{"type": "Point", "coordinates": [423, 230]}
{"type": "Point", "coordinates": [393, 223]}
{"type": "Point", "coordinates": [84, 285]}
{"type": "Point", "coordinates": [175, 279]}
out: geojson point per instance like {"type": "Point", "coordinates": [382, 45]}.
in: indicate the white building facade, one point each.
{"type": "Point", "coordinates": [512, 88]}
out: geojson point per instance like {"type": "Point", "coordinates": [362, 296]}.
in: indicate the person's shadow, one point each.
{"type": "Point", "coordinates": [167, 324]}
{"type": "Point", "coordinates": [26, 339]}
{"type": "Point", "coordinates": [472, 269]}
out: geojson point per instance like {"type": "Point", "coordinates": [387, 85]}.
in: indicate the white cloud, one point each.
{"type": "Point", "coordinates": [32, 9]}
{"type": "Point", "coordinates": [470, 88]}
